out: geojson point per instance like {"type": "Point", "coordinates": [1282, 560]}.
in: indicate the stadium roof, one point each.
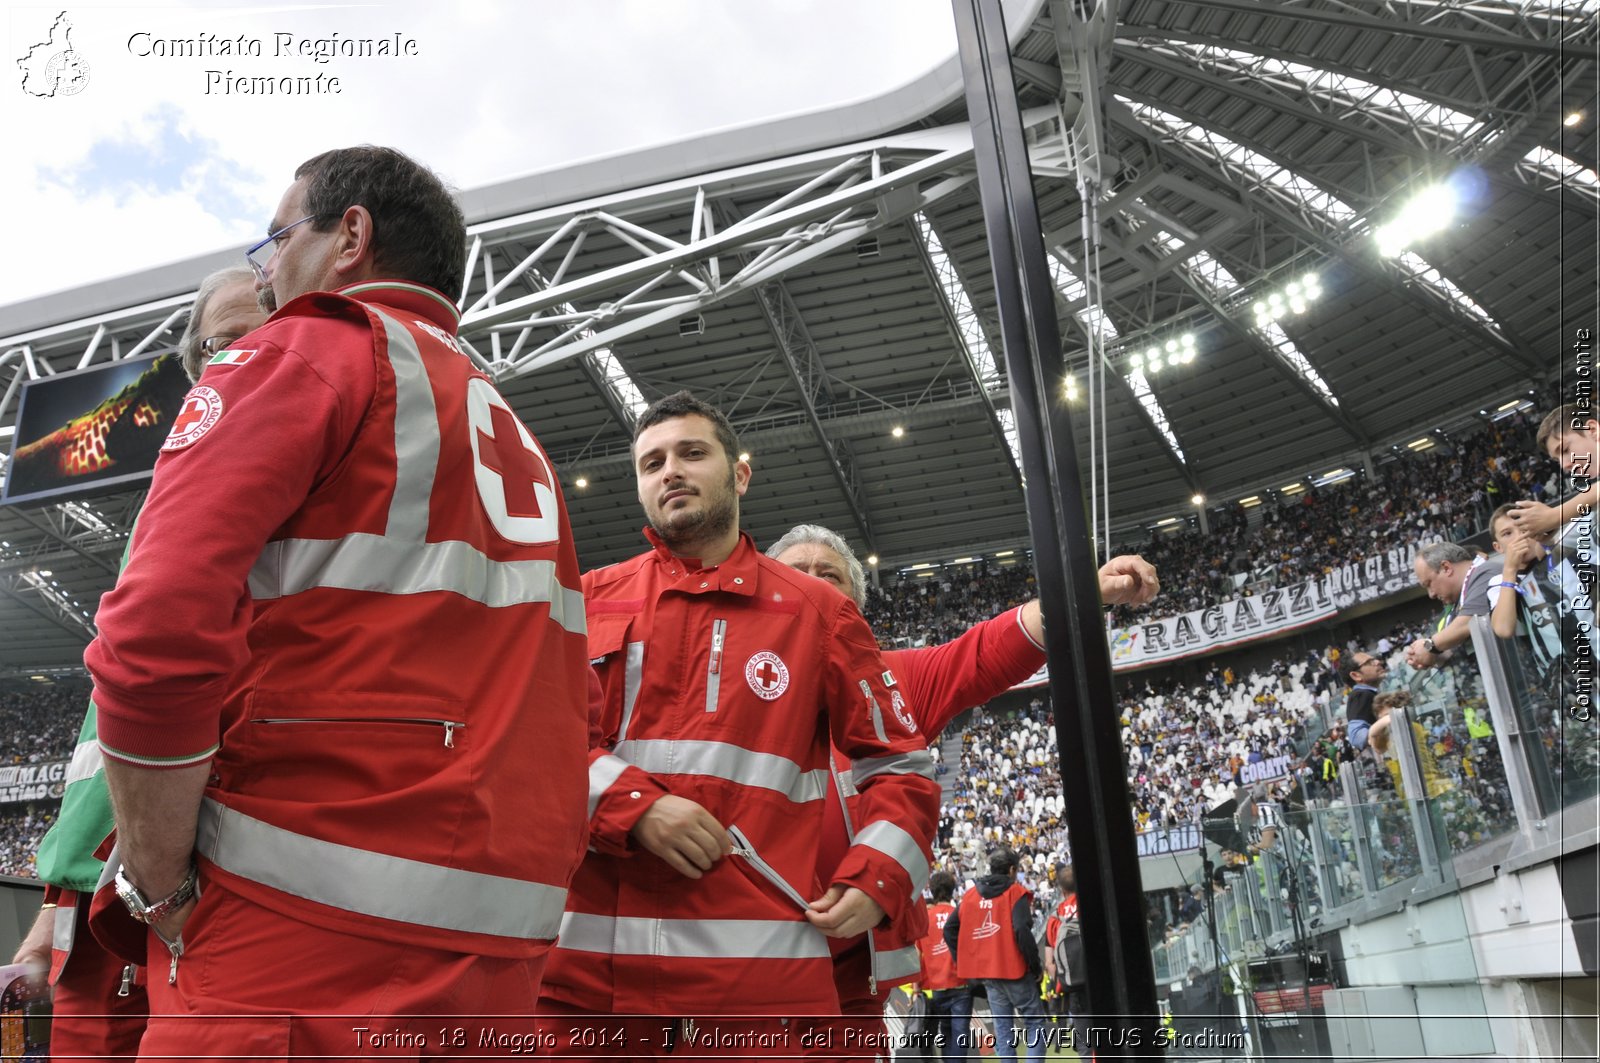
{"type": "Point", "coordinates": [824, 278]}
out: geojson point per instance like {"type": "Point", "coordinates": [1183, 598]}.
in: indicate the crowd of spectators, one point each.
{"type": "Point", "coordinates": [21, 827]}
{"type": "Point", "coordinates": [40, 724]}
{"type": "Point", "coordinates": [1445, 492]}
{"type": "Point", "coordinates": [928, 610]}
{"type": "Point", "coordinates": [1186, 745]}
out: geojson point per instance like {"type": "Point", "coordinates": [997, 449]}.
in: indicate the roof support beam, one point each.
{"type": "Point", "coordinates": [1470, 106]}
{"type": "Point", "coordinates": [52, 615]}
{"type": "Point", "coordinates": [1253, 340]}
{"type": "Point", "coordinates": [65, 540]}
{"type": "Point", "coordinates": [1186, 470]}
{"type": "Point", "coordinates": [1291, 106]}
{"type": "Point", "coordinates": [1337, 414]}
{"type": "Point", "coordinates": [1265, 204]}
{"type": "Point", "coordinates": [953, 327]}
{"type": "Point", "coordinates": [844, 420]}
{"type": "Point", "coordinates": [810, 380]}
{"type": "Point", "coordinates": [800, 358]}
{"type": "Point", "coordinates": [1344, 17]}
{"type": "Point", "coordinates": [669, 277]}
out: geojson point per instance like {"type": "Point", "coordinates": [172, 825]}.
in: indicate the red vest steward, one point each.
{"type": "Point", "coordinates": [1067, 909]}
{"type": "Point", "coordinates": [938, 971]}
{"type": "Point", "coordinates": [988, 946]}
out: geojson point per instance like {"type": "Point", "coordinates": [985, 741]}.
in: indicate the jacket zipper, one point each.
{"type": "Point", "coordinates": [719, 636]}
{"type": "Point", "coordinates": [742, 847]}
{"type": "Point", "coordinates": [450, 726]}
{"type": "Point", "coordinates": [836, 777]}
{"type": "Point", "coordinates": [877, 713]}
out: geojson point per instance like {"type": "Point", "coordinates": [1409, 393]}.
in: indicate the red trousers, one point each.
{"type": "Point", "coordinates": [89, 1017]}
{"type": "Point", "coordinates": [255, 984]}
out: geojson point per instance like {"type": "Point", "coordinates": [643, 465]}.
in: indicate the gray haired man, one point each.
{"type": "Point", "coordinates": [1452, 575]}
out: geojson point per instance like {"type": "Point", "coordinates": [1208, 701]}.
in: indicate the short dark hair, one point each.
{"type": "Point", "coordinates": [418, 232]}
{"type": "Point", "coordinates": [684, 404]}
{"type": "Point", "coordinates": [1002, 861]}
{"type": "Point", "coordinates": [942, 884]}
{"type": "Point", "coordinates": [1500, 511]}
{"type": "Point", "coordinates": [1559, 422]}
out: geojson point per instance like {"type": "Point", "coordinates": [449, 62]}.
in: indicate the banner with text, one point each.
{"type": "Point", "coordinates": [1163, 840]}
{"type": "Point", "coordinates": [33, 782]}
{"type": "Point", "coordinates": [1266, 615]}
{"type": "Point", "coordinates": [1272, 612]}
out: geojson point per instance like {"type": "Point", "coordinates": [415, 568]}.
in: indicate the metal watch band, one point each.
{"type": "Point", "coordinates": [147, 912]}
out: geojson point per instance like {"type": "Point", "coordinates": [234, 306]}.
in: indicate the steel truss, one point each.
{"type": "Point", "coordinates": [814, 205]}
{"type": "Point", "coordinates": [1335, 239]}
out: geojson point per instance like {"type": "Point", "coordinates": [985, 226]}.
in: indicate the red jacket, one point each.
{"type": "Point", "coordinates": [724, 686]}
{"type": "Point", "coordinates": [940, 682]}
{"type": "Point", "coordinates": [382, 645]}
{"type": "Point", "coordinates": [987, 947]}
{"type": "Point", "coordinates": [939, 972]}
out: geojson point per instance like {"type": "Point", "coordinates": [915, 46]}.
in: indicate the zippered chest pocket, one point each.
{"type": "Point", "coordinates": [448, 727]}
{"type": "Point", "coordinates": [719, 643]}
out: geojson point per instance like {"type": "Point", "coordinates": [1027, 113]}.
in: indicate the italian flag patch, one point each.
{"type": "Point", "coordinates": [231, 357]}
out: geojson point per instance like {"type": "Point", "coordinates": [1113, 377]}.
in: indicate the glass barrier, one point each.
{"type": "Point", "coordinates": [1547, 704]}
{"type": "Point", "coordinates": [1452, 752]}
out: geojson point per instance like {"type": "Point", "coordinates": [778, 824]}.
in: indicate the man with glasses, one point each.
{"type": "Point", "coordinates": [349, 634]}
{"type": "Point", "coordinates": [98, 1003]}
{"type": "Point", "coordinates": [1358, 712]}
{"type": "Point", "coordinates": [1451, 574]}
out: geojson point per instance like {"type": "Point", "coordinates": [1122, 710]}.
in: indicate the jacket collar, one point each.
{"type": "Point", "coordinates": [737, 575]}
{"type": "Point", "coordinates": [406, 296]}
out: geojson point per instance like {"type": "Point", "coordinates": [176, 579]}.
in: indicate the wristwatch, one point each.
{"type": "Point", "coordinates": [1428, 644]}
{"type": "Point", "coordinates": [149, 913]}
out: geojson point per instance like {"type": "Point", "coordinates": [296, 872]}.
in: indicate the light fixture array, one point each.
{"type": "Point", "coordinates": [1295, 297]}
{"type": "Point", "coordinates": [1176, 351]}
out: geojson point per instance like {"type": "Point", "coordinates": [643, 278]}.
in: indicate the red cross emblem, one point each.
{"type": "Point", "coordinates": [515, 482]}
{"type": "Point", "coordinates": [767, 675]}
{"type": "Point", "coordinates": [202, 408]}
{"type": "Point", "coordinates": [193, 412]}
{"type": "Point", "coordinates": [519, 467]}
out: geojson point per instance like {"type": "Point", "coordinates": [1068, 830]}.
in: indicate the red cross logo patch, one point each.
{"type": "Point", "coordinates": [767, 675]}
{"type": "Point", "coordinates": [202, 408]}
{"type": "Point", "coordinates": [514, 479]}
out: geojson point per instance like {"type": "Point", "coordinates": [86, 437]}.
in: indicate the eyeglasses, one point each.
{"type": "Point", "coordinates": [216, 344]}
{"type": "Point", "coordinates": [1373, 660]}
{"type": "Point", "coordinates": [258, 261]}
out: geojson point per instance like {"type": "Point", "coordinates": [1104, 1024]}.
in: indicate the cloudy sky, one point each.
{"type": "Point", "coordinates": [153, 162]}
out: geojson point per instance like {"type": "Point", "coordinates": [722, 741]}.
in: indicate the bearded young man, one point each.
{"type": "Point", "coordinates": [727, 677]}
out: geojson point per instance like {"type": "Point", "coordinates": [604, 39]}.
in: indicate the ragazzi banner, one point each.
{"type": "Point", "coordinates": [1270, 613]}
{"type": "Point", "coordinates": [33, 782]}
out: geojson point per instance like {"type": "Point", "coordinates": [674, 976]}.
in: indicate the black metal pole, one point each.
{"type": "Point", "coordinates": [1094, 772]}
